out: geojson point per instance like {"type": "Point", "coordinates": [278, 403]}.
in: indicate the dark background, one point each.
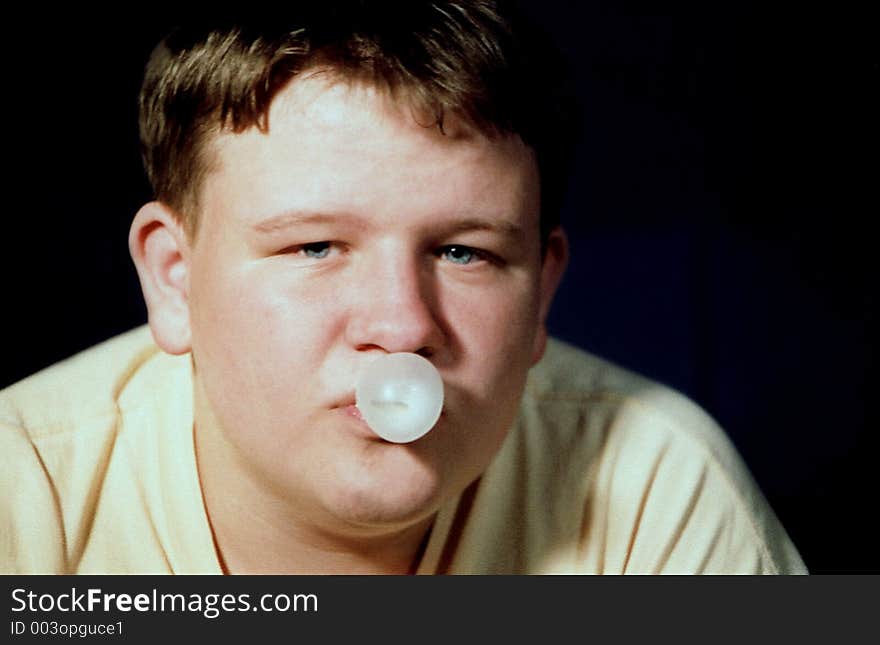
{"type": "Point", "coordinates": [719, 215]}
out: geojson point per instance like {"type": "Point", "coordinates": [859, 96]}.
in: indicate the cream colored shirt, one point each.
{"type": "Point", "coordinates": [603, 472]}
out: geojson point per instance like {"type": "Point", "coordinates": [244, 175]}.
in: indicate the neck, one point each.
{"type": "Point", "coordinates": [264, 538]}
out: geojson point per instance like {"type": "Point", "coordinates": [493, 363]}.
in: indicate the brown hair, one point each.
{"type": "Point", "coordinates": [474, 58]}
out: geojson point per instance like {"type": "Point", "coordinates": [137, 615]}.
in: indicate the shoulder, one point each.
{"type": "Point", "coordinates": [622, 404]}
{"type": "Point", "coordinates": [569, 379]}
{"type": "Point", "coordinates": [83, 387]}
{"type": "Point", "coordinates": [664, 489]}
{"type": "Point", "coordinates": [57, 430]}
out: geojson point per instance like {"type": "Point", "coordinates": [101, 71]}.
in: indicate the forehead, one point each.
{"type": "Point", "coordinates": [337, 145]}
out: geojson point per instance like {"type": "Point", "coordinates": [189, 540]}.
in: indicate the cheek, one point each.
{"type": "Point", "coordinates": [253, 303]}
{"type": "Point", "coordinates": [494, 333]}
{"type": "Point", "coordinates": [494, 321]}
{"type": "Point", "coordinates": [254, 334]}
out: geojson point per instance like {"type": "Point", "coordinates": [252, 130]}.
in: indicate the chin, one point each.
{"type": "Point", "coordinates": [397, 493]}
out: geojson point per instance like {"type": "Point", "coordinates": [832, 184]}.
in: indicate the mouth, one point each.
{"type": "Point", "coordinates": [348, 409]}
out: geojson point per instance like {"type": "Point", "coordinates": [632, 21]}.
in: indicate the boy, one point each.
{"type": "Point", "coordinates": [355, 180]}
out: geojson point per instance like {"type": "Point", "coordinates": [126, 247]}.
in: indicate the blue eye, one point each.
{"type": "Point", "coordinates": [316, 250]}
{"type": "Point", "coordinates": [459, 254]}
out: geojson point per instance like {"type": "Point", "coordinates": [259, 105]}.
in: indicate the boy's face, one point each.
{"type": "Point", "coordinates": [346, 231]}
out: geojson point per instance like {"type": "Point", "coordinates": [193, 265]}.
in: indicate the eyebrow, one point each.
{"type": "Point", "coordinates": [292, 218]}
{"type": "Point", "coordinates": [508, 229]}
{"type": "Point", "coordinates": [286, 220]}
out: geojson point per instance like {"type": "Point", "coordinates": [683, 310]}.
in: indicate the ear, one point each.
{"type": "Point", "coordinates": [552, 268]}
{"type": "Point", "coordinates": [160, 250]}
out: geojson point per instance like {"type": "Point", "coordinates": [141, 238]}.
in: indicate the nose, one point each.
{"type": "Point", "coordinates": [395, 307]}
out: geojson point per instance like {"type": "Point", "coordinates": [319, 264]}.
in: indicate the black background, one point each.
{"type": "Point", "coordinates": [719, 215]}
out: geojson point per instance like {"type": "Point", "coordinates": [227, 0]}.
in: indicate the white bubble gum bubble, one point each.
{"type": "Point", "coordinates": [400, 396]}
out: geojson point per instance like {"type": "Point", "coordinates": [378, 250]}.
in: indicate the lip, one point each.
{"type": "Point", "coordinates": [343, 401]}
{"type": "Point", "coordinates": [352, 410]}
{"type": "Point", "coordinates": [359, 426]}
{"type": "Point", "coordinates": [349, 409]}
